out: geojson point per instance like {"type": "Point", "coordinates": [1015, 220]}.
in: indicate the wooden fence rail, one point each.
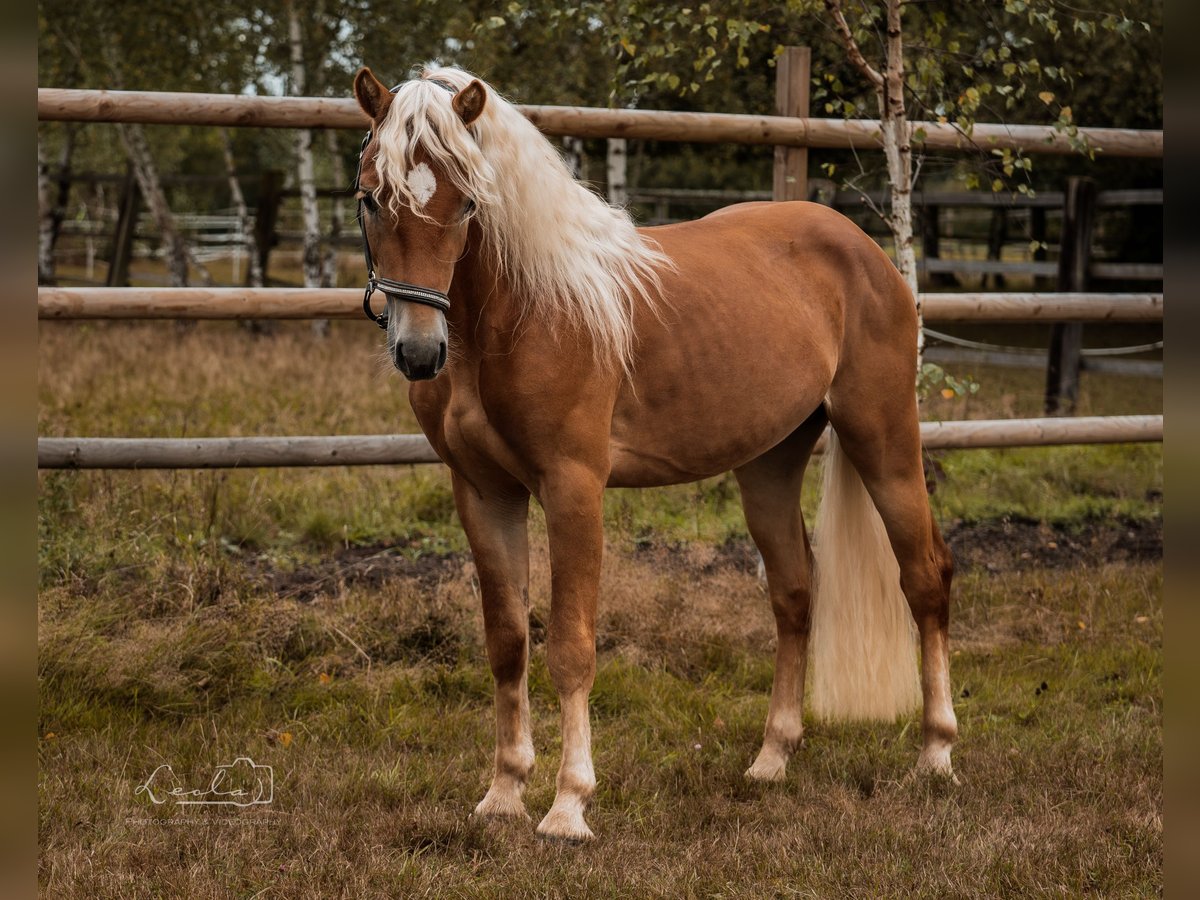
{"type": "Point", "coordinates": [407, 449]}
{"type": "Point", "coordinates": [346, 303]}
{"type": "Point", "coordinates": [163, 108]}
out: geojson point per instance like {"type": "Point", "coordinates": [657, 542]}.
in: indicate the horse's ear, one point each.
{"type": "Point", "coordinates": [372, 95]}
{"type": "Point", "coordinates": [469, 102]}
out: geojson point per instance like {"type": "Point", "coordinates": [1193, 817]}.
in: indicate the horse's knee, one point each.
{"type": "Point", "coordinates": [507, 653]}
{"type": "Point", "coordinates": [506, 633]}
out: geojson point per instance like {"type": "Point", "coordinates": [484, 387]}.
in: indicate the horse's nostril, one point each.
{"type": "Point", "coordinates": [441, 355]}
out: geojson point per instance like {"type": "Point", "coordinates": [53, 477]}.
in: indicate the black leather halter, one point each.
{"type": "Point", "coordinates": [400, 290]}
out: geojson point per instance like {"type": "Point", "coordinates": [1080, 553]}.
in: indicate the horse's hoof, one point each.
{"type": "Point", "coordinates": [497, 805]}
{"type": "Point", "coordinates": [767, 773]}
{"type": "Point", "coordinates": [565, 826]}
{"type": "Point", "coordinates": [935, 762]}
{"type": "Point", "coordinates": [768, 767]}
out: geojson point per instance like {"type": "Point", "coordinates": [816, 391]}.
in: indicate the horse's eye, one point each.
{"type": "Point", "coordinates": [368, 200]}
{"type": "Point", "coordinates": [468, 207]}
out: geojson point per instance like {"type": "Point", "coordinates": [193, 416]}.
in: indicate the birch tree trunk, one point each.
{"type": "Point", "coordinates": [897, 150]}
{"type": "Point", "coordinates": [574, 157]}
{"type": "Point", "coordinates": [896, 136]}
{"type": "Point", "coordinates": [45, 221]}
{"type": "Point", "coordinates": [311, 254]}
{"type": "Point", "coordinates": [330, 274]}
{"type": "Point", "coordinates": [145, 170]}
{"type": "Point", "coordinates": [618, 164]}
{"type": "Point", "coordinates": [245, 225]}
{"type": "Point", "coordinates": [133, 137]}
{"type": "Point", "coordinates": [254, 272]}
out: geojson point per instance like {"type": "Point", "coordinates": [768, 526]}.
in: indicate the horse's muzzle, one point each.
{"type": "Point", "coordinates": [420, 360]}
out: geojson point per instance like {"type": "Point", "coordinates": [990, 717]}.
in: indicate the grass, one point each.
{"type": "Point", "coordinates": [325, 622]}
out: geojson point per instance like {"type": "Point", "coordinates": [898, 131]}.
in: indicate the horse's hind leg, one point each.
{"type": "Point", "coordinates": [770, 488]}
{"type": "Point", "coordinates": [874, 412]}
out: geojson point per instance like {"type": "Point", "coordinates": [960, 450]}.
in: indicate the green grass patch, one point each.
{"type": "Point", "coordinates": [325, 623]}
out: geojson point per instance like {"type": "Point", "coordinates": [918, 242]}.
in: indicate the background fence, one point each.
{"type": "Point", "coordinates": [792, 132]}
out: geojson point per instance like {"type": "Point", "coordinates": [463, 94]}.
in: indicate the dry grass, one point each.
{"type": "Point", "coordinates": [325, 623]}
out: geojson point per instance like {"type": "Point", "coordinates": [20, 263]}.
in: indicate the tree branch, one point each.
{"type": "Point", "coordinates": [834, 7]}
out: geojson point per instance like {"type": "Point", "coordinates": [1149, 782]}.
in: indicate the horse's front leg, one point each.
{"type": "Point", "coordinates": [496, 526]}
{"type": "Point", "coordinates": [573, 499]}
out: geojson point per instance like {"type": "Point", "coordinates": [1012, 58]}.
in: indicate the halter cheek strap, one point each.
{"type": "Point", "coordinates": [399, 290]}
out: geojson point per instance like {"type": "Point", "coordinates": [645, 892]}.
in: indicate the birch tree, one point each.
{"type": "Point", "coordinates": [329, 275]}
{"type": "Point", "coordinates": [245, 223]}
{"type": "Point", "coordinates": [45, 221]}
{"type": "Point", "coordinates": [887, 81]}
{"type": "Point", "coordinates": [305, 177]}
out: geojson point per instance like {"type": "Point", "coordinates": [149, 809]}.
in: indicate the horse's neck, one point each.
{"type": "Point", "coordinates": [487, 310]}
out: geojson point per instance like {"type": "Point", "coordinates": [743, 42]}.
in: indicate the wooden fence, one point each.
{"type": "Point", "coordinates": [792, 133]}
{"type": "Point", "coordinates": [409, 449]}
{"type": "Point", "coordinates": [160, 108]}
{"type": "Point", "coordinates": [346, 303]}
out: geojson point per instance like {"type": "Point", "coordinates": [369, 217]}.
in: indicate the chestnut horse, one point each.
{"type": "Point", "coordinates": [555, 349]}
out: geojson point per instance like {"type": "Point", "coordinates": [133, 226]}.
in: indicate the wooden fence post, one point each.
{"type": "Point", "coordinates": [122, 241]}
{"type": "Point", "coordinates": [1075, 256]}
{"type": "Point", "coordinates": [792, 73]}
{"type": "Point", "coordinates": [266, 213]}
{"type": "Point", "coordinates": [931, 243]}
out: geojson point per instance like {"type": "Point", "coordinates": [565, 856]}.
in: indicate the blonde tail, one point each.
{"type": "Point", "coordinates": [862, 647]}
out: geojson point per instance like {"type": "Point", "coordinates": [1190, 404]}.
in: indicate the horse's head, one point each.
{"type": "Point", "coordinates": [416, 198]}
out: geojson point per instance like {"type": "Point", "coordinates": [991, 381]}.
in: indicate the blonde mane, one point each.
{"type": "Point", "coordinates": [568, 255]}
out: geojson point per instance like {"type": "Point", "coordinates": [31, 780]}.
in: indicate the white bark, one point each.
{"type": "Point", "coordinates": [618, 162]}
{"type": "Point", "coordinates": [178, 253]}
{"type": "Point", "coordinates": [897, 148]}
{"type": "Point", "coordinates": [897, 140]}
{"type": "Point", "coordinates": [330, 273]}
{"type": "Point", "coordinates": [245, 223]}
{"type": "Point", "coordinates": [311, 254]}
{"type": "Point", "coordinates": [45, 221]}
{"type": "Point", "coordinates": [52, 204]}
{"type": "Point", "coordinates": [574, 157]}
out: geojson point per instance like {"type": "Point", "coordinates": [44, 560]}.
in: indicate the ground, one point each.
{"type": "Point", "coordinates": [325, 623]}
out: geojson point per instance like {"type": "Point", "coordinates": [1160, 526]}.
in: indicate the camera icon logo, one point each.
{"type": "Point", "coordinates": [240, 783]}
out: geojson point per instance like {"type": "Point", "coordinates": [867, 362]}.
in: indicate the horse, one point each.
{"type": "Point", "coordinates": [555, 349]}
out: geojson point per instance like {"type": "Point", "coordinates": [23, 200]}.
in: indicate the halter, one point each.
{"type": "Point", "coordinates": [401, 290]}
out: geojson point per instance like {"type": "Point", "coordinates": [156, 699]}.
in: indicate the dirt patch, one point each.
{"type": "Point", "coordinates": [995, 545]}
{"type": "Point", "coordinates": [738, 554]}
{"type": "Point", "coordinates": [1015, 543]}
{"type": "Point", "coordinates": [367, 566]}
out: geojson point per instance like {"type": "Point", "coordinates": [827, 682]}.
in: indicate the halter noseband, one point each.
{"type": "Point", "coordinates": [401, 290]}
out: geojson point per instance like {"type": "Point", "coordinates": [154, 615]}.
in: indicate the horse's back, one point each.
{"type": "Point", "coordinates": [748, 337]}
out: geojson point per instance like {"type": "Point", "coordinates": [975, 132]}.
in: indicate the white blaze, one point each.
{"type": "Point", "coordinates": [422, 183]}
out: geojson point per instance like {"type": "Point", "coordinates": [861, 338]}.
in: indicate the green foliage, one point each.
{"type": "Point", "coordinates": [1029, 62]}
{"type": "Point", "coordinates": [933, 377]}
